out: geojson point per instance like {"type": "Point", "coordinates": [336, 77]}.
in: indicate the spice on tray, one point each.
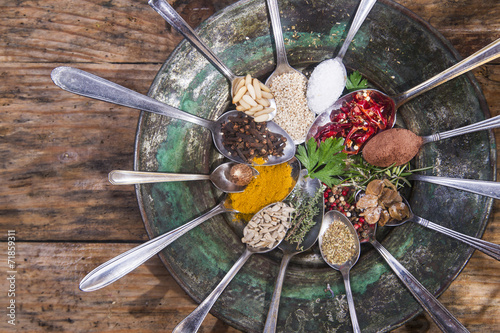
{"type": "Point", "coordinates": [338, 243]}
{"type": "Point", "coordinates": [244, 137]}
{"type": "Point", "coordinates": [268, 226]}
{"type": "Point", "coordinates": [240, 174]}
{"type": "Point", "coordinates": [252, 97]}
{"type": "Point", "coordinates": [306, 209]}
{"type": "Point", "coordinates": [293, 114]}
{"type": "Point", "coordinates": [357, 120]}
{"type": "Point", "coordinates": [325, 86]}
{"type": "Point", "coordinates": [273, 184]}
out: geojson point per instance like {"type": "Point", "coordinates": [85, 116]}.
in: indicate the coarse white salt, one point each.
{"type": "Point", "coordinates": [325, 85]}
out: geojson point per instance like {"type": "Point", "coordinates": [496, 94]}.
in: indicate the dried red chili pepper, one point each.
{"type": "Point", "coordinates": [356, 121]}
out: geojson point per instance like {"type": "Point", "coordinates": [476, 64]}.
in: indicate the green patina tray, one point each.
{"type": "Point", "coordinates": [395, 50]}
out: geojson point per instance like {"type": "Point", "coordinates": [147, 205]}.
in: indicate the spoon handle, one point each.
{"type": "Point", "coordinates": [126, 262]}
{"type": "Point", "coordinates": [175, 20]}
{"type": "Point", "coordinates": [486, 124]}
{"type": "Point", "coordinates": [85, 84]}
{"type": "Point", "coordinates": [481, 187]}
{"type": "Point", "coordinates": [193, 321]}
{"type": "Point", "coordinates": [365, 6]}
{"type": "Point", "coordinates": [125, 177]}
{"type": "Point", "coordinates": [491, 249]}
{"type": "Point", "coordinates": [272, 314]}
{"type": "Point", "coordinates": [350, 300]}
{"type": "Point", "coordinates": [441, 316]}
{"type": "Point", "coordinates": [482, 56]}
{"type": "Point", "coordinates": [274, 14]}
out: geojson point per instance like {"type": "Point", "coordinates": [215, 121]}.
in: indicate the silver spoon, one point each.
{"type": "Point", "coordinates": [482, 187]}
{"type": "Point", "coordinates": [89, 85]}
{"type": "Point", "coordinates": [170, 15]}
{"type": "Point", "coordinates": [311, 186]}
{"type": "Point", "coordinates": [126, 262]}
{"type": "Point", "coordinates": [441, 316]}
{"type": "Point", "coordinates": [344, 268]}
{"type": "Point", "coordinates": [193, 321]}
{"type": "Point", "coordinates": [398, 145]}
{"type": "Point", "coordinates": [219, 177]}
{"type": "Point", "coordinates": [482, 56]}
{"type": "Point", "coordinates": [488, 248]}
{"type": "Point", "coordinates": [329, 92]}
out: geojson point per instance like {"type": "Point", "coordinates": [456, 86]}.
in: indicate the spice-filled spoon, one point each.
{"type": "Point", "coordinates": [328, 79]}
{"type": "Point", "coordinates": [228, 177]}
{"type": "Point", "coordinates": [488, 248]}
{"type": "Point", "coordinates": [126, 262]}
{"type": "Point", "coordinates": [482, 187]}
{"type": "Point", "coordinates": [170, 15]}
{"type": "Point", "coordinates": [339, 246]}
{"type": "Point", "coordinates": [279, 211]}
{"type": "Point", "coordinates": [398, 145]}
{"type": "Point", "coordinates": [389, 105]}
{"type": "Point", "coordinates": [311, 188]}
{"type": "Point", "coordinates": [82, 83]}
{"type": "Point", "coordinates": [441, 316]}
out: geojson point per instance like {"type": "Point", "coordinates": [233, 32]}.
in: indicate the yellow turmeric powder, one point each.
{"type": "Point", "coordinates": [271, 185]}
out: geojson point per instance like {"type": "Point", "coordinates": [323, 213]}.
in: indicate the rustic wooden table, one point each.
{"type": "Point", "coordinates": [56, 150]}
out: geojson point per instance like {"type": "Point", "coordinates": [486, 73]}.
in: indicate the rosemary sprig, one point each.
{"type": "Point", "coordinates": [359, 173]}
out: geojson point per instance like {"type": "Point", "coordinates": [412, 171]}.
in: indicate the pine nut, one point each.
{"type": "Point", "coordinates": [264, 102]}
{"type": "Point", "coordinates": [245, 104]}
{"type": "Point", "coordinates": [239, 94]}
{"type": "Point", "coordinates": [267, 95]}
{"type": "Point", "coordinates": [264, 87]}
{"type": "Point", "coordinates": [257, 108]}
{"type": "Point", "coordinates": [261, 118]}
{"type": "Point", "coordinates": [256, 87]}
{"type": "Point", "coordinates": [248, 80]}
{"type": "Point", "coordinates": [238, 84]}
{"type": "Point", "coordinates": [265, 111]}
{"type": "Point", "coordinates": [251, 91]}
{"type": "Point", "coordinates": [249, 100]}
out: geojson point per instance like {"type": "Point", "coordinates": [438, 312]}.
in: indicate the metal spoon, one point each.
{"type": "Point", "coordinates": [219, 177]}
{"type": "Point", "coordinates": [488, 248]}
{"type": "Point", "coordinates": [193, 321]}
{"type": "Point", "coordinates": [89, 85]}
{"type": "Point", "coordinates": [403, 144]}
{"type": "Point", "coordinates": [333, 91]}
{"type": "Point", "coordinates": [344, 268]}
{"type": "Point", "coordinates": [441, 316]}
{"type": "Point", "coordinates": [126, 262]}
{"type": "Point", "coordinates": [175, 20]}
{"type": "Point", "coordinates": [482, 187]}
{"type": "Point", "coordinates": [482, 56]}
{"type": "Point", "coordinates": [311, 186]}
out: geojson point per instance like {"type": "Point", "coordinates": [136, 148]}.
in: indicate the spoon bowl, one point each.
{"type": "Point", "coordinates": [398, 145]}
{"type": "Point", "coordinates": [311, 187]}
{"type": "Point", "coordinates": [344, 268]}
{"type": "Point", "coordinates": [491, 249]}
{"type": "Point", "coordinates": [194, 320]}
{"type": "Point", "coordinates": [220, 177]}
{"type": "Point", "coordinates": [89, 85]}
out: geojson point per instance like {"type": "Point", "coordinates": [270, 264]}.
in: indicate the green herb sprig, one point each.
{"type": "Point", "coordinates": [355, 81]}
{"type": "Point", "coordinates": [325, 161]}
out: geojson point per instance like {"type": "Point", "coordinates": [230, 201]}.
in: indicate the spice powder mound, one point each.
{"type": "Point", "coordinates": [338, 243]}
{"type": "Point", "coordinates": [271, 185]}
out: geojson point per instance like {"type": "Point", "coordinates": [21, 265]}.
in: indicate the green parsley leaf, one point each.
{"type": "Point", "coordinates": [324, 161]}
{"type": "Point", "coordinates": [355, 81]}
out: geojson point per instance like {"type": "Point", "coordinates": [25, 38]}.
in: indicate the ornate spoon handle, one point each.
{"type": "Point", "coordinates": [441, 316]}
{"type": "Point", "coordinates": [125, 177]}
{"type": "Point", "coordinates": [126, 262]}
{"type": "Point", "coordinates": [488, 248]}
{"type": "Point", "coordinates": [482, 56]}
{"type": "Point", "coordinates": [481, 187]}
{"type": "Point", "coordinates": [364, 8]}
{"type": "Point", "coordinates": [350, 300]}
{"type": "Point", "coordinates": [175, 20]}
{"type": "Point", "coordinates": [193, 321]}
{"type": "Point", "coordinates": [272, 314]}
{"type": "Point", "coordinates": [479, 126]}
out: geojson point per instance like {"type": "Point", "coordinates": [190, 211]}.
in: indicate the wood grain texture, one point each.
{"type": "Point", "coordinates": [56, 150]}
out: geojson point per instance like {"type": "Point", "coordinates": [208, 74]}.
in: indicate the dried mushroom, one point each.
{"type": "Point", "coordinates": [381, 203]}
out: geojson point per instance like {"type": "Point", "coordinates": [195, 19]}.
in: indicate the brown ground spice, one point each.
{"type": "Point", "coordinates": [396, 145]}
